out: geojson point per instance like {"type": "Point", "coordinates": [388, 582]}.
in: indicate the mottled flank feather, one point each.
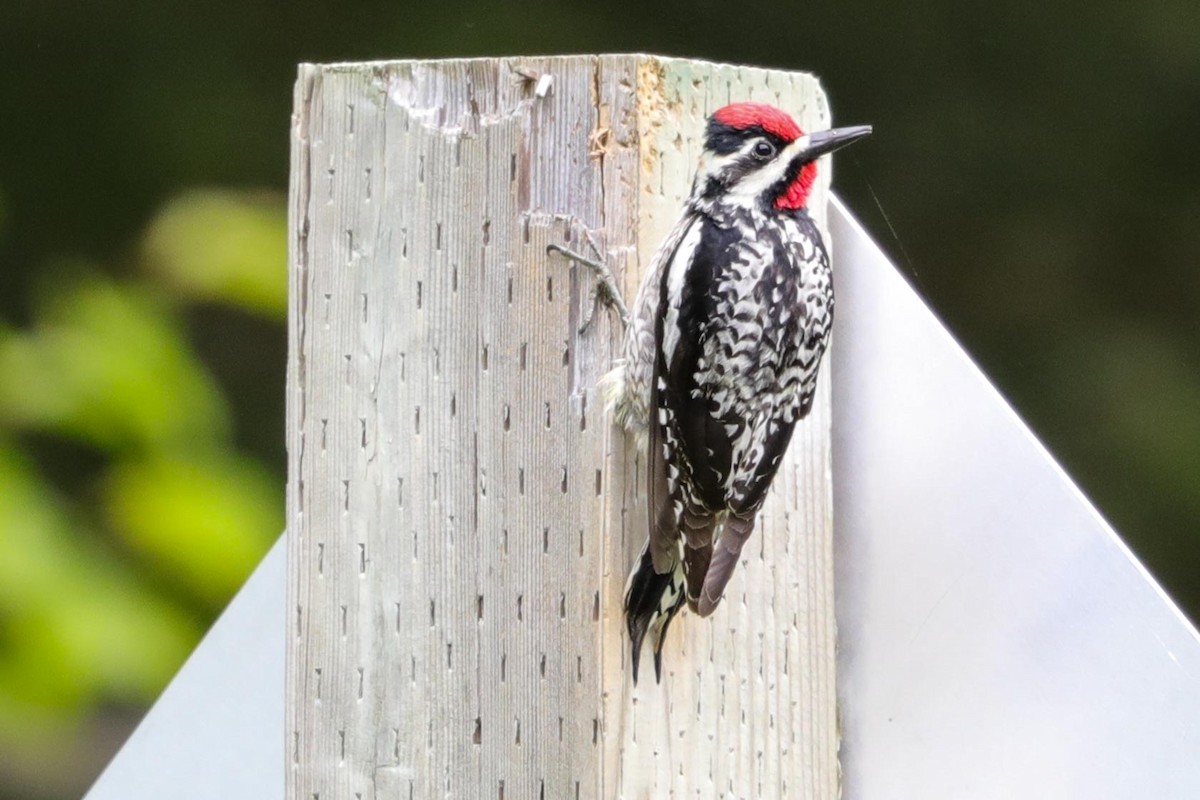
{"type": "Point", "coordinates": [626, 388]}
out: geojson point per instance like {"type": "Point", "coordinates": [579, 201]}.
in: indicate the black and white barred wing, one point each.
{"type": "Point", "coordinates": [666, 354]}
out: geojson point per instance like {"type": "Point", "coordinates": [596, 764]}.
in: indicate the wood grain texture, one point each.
{"type": "Point", "coordinates": [462, 515]}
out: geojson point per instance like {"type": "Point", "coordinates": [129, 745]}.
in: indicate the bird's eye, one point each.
{"type": "Point", "coordinates": [763, 149]}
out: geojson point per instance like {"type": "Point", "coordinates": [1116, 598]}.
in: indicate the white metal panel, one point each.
{"type": "Point", "coordinates": [997, 640]}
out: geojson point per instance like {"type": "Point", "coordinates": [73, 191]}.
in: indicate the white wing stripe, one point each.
{"type": "Point", "coordinates": [677, 271]}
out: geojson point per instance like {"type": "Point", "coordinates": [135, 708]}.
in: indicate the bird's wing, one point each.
{"type": "Point", "coordinates": [655, 303]}
{"type": "Point", "coordinates": [690, 448]}
{"type": "Point", "coordinates": [697, 436]}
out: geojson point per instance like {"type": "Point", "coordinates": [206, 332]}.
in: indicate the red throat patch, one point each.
{"type": "Point", "coordinates": [797, 192]}
{"type": "Point", "coordinates": [771, 119]}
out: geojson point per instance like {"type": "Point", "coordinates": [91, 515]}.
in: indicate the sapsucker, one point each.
{"type": "Point", "coordinates": [721, 357]}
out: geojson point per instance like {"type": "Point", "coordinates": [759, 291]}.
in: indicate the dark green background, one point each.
{"type": "Point", "coordinates": [1034, 172]}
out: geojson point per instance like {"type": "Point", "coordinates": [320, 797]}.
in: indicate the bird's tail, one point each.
{"type": "Point", "coordinates": [652, 599]}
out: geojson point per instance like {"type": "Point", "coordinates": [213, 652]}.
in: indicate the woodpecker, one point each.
{"type": "Point", "coordinates": [721, 356]}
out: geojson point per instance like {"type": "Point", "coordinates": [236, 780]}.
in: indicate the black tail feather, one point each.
{"type": "Point", "coordinates": [644, 610]}
{"type": "Point", "coordinates": [662, 637]}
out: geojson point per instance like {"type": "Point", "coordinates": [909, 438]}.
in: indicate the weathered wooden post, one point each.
{"type": "Point", "coordinates": [462, 515]}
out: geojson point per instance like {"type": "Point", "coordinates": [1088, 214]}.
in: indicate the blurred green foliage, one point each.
{"type": "Point", "coordinates": [220, 245]}
{"type": "Point", "coordinates": [79, 626]}
{"type": "Point", "coordinates": [1033, 171]}
{"type": "Point", "coordinates": [111, 571]}
{"type": "Point", "coordinates": [106, 363]}
{"type": "Point", "coordinates": [205, 522]}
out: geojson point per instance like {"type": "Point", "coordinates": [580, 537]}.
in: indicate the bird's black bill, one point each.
{"type": "Point", "coordinates": [823, 142]}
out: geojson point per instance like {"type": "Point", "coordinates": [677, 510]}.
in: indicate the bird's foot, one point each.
{"type": "Point", "coordinates": [604, 290]}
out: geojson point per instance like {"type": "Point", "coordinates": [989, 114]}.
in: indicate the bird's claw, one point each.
{"type": "Point", "coordinates": [604, 289]}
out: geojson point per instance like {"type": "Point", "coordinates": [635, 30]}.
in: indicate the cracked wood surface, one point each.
{"type": "Point", "coordinates": [461, 513]}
